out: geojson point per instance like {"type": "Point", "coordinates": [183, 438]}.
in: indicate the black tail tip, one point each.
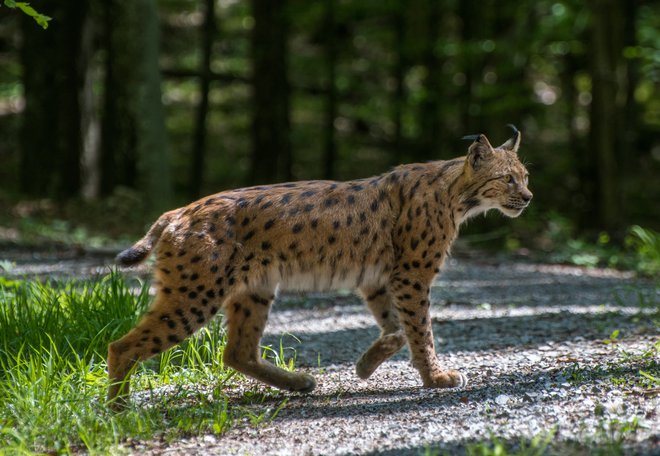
{"type": "Point", "coordinates": [131, 256]}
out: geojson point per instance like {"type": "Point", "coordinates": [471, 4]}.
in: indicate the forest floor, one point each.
{"type": "Point", "coordinates": [556, 355]}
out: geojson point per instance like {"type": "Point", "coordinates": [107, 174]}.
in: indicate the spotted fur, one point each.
{"type": "Point", "coordinates": [386, 236]}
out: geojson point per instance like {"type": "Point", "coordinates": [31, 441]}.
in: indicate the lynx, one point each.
{"type": "Point", "coordinates": [385, 236]}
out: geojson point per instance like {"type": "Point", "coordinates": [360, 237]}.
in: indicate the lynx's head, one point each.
{"type": "Point", "coordinates": [495, 177]}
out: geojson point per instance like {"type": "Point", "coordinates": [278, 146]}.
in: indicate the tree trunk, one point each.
{"type": "Point", "coordinates": [54, 67]}
{"type": "Point", "coordinates": [271, 149]}
{"type": "Point", "coordinates": [134, 140]}
{"type": "Point", "coordinates": [631, 110]}
{"type": "Point", "coordinates": [199, 142]}
{"type": "Point", "coordinates": [471, 19]}
{"type": "Point", "coordinates": [398, 74]}
{"type": "Point", "coordinates": [429, 114]}
{"type": "Point", "coordinates": [329, 144]}
{"type": "Point", "coordinates": [606, 113]}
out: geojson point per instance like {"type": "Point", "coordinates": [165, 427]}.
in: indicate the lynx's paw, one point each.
{"type": "Point", "coordinates": [302, 383]}
{"type": "Point", "coordinates": [446, 379]}
{"type": "Point", "coordinates": [384, 347]}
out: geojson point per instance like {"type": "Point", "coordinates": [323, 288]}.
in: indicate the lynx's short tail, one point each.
{"type": "Point", "coordinates": [142, 248]}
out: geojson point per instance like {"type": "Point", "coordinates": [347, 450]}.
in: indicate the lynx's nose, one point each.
{"type": "Point", "coordinates": [526, 196]}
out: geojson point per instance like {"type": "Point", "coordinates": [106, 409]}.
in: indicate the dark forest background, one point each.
{"type": "Point", "coordinates": [120, 109]}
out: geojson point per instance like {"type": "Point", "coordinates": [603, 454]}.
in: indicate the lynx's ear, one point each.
{"type": "Point", "coordinates": [478, 151]}
{"type": "Point", "coordinates": [513, 142]}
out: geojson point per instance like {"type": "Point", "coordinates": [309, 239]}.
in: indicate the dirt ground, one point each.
{"type": "Point", "coordinates": [536, 342]}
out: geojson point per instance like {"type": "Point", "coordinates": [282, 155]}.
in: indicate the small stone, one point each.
{"type": "Point", "coordinates": [529, 396]}
{"type": "Point", "coordinates": [502, 399]}
{"type": "Point", "coordinates": [534, 358]}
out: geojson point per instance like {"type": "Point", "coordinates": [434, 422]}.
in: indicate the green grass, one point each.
{"type": "Point", "coordinates": [53, 381]}
{"type": "Point", "coordinates": [496, 447]}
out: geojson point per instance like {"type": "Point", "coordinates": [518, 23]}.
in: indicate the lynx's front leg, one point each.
{"type": "Point", "coordinates": [412, 301]}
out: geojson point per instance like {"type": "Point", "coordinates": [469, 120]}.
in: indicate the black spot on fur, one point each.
{"type": "Point", "coordinates": [259, 300]}
{"type": "Point", "coordinates": [377, 293]}
{"type": "Point", "coordinates": [329, 202]}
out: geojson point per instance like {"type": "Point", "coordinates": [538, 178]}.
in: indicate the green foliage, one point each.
{"type": "Point", "coordinates": [646, 244]}
{"type": "Point", "coordinates": [39, 18]}
{"type": "Point", "coordinates": [34, 230]}
{"type": "Point", "coordinates": [557, 235]}
{"type": "Point", "coordinates": [53, 381]}
{"type": "Point", "coordinates": [536, 446]}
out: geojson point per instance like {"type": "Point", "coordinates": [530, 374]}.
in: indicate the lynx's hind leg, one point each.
{"type": "Point", "coordinates": [392, 338]}
{"type": "Point", "coordinates": [171, 319]}
{"type": "Point", "coordinates": [188, 297]}
{"type": "Point", "coordinates": [245, 317]}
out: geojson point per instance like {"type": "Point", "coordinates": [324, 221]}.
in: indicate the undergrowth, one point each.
{"type": "Point", "coordinates": [53, 381]}
{"type": "Point", "coordinates": [556, 239]}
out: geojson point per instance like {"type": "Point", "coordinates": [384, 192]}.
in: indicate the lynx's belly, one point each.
{"type": "Point", "coordinates": [323, 278]}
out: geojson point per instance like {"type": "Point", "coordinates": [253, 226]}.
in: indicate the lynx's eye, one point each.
{"type": "Point", "coordinates": [510, 179]}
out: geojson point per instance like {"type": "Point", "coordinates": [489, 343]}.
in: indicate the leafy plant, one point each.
{"type": "Point", "coordinates": [39, 18]}
{"type": "Point", "coordinates": [646, 243]}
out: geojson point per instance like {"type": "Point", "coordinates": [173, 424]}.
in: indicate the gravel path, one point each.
{"type": "Point", "coordinates": [533, 340]}
{"type": "Point", "coordinates": [529, 337]}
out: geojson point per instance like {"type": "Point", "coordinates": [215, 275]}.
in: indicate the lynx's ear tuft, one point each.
{"type": "Point", "coordinates": [512, 143]}
{"type": "Point", "coordinates": [479, 151]}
